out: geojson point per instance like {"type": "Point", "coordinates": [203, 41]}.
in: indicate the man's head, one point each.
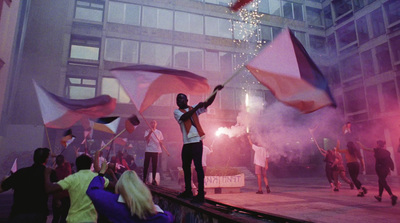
{"type": "Point", "coordinates": [41, 155]}
{"type": "Point", "coordinates": [83, 162]}
{"type": "Point", "coordinates": [60, 160]}
{"type": "Point", "coordinates": [153, 124]}
{"type": "Point", "coordinates": [181, 101]}
{"type": "Point", "coordinates": [381, 144]}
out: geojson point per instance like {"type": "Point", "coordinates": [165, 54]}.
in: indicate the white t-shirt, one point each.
{"type": "Point", "coordinates": [260, 155]}
{"type": "Point", "coordinates": [154, 145]}
{"type": "Point", "coordinates": [193, 135]}
{"type": "Point", "coordinates": [206, 151]}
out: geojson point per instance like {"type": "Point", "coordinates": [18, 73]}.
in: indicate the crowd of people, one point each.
{"type": "Point", "coordinates": [355, 162]}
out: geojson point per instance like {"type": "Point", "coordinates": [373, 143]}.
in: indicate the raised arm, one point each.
{"type": "Point", "coordinates": [364, 147]}
{"type": "Point", "coordinates": [48, 185]}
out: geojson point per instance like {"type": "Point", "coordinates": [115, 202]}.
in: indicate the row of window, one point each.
{"type": "Point", "coordinates": [82, 88]}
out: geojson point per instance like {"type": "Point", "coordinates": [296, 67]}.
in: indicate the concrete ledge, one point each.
{"type": "Point", "coordinates": [210, 211]}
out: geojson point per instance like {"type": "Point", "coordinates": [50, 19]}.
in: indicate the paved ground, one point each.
{"type": "Point", "coordinates": [309, 199]}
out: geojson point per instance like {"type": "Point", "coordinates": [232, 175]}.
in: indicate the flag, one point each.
{"type": "Point", "coordinates": [14, 167]}
{"type": "Point", "coordinates": [121, 141]}
{"type": "Point", "coordinates": [67, 138]}
{"type": "Point", "coordinates": [145, 83]}
{"type": "Point", "coordinates": [131, 123]}
{"type": "Point", "coordinates": [103, 144]}
{"type": "Point", "coordinates": [239, 4]}
{"type": "Point", "coordinates": [61, 113]}
{"type": "Point", "coordinates": [287, 70]}
{"type": "Point", "coordinates": [107, 124]}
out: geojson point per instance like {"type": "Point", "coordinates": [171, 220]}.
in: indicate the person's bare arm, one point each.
{"type": "Point", "coordinates": [49, 186]}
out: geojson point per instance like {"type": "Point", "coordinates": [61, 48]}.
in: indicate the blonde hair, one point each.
{"type": "Point", "coordinates": [136, 195]}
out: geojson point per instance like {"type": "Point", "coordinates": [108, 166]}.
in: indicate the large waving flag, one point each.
{"type": "Point", "coordinates": [145, 83]}
{"type": "Point", "coordinates": [60, 113]}
{"type": "Point", "coordinates": [293, 78]}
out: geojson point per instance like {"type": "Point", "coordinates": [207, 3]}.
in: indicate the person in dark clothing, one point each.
{"type": "Point", "coordinates": [383, 165]}
{"type": "Point", "coordinates": [61, 201]}
{"type": "Point", "coordinates": [30, 197]}
{"type": "Point", "coordinates": [353, 155]}
{"type": "Point", "coordinates": [329, 159]}
{"type": "Point", "coordinates": [192, 133]}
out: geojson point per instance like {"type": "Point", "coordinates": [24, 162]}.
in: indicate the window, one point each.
{"type": "Point", "coordinates": [395, 46]}
{"type": "Point", "coordinates": [266, 34]}
{"type": "Point", "coordinates": [317, 43]}
{"type": "Point", "coordinates": [292, 10]}
{"type": "Point", "coordinates": [218, 2]}
{"type": "Point", "coordinates": [218, 27]}
{"type": "Point", "coordinates": [87, 48]}
{"type": "Point", "coordinates": [328, 16]}
{"type": "Point", "coordinates": [314, 16]}
{"type": "Point", "coordinates": [156, 54]}
{"type": "Point", "coordinates": [346, 35]}
{"type": "Point", "coordinates": [367, 63]}
{"type": "Point", "coordinates": [228, 98]}
{"type": "Point", "coordinates": [111, 86]}
{"type": "Point", "coordinates": [341, 7]}
{"type": "Point", "coordinates": [392, 8]}
{"type": "Point", "coordinates": [331, 44]}
{"type": "Point", "coordinates": [188, 58]}
{"type": "Point", "coordinates": [350, 67]}
{"type": "Point", "coordinates": [190, 23]}
{"type": "Point", "coordinates": [332, 75]}
{"type": "Point", "coordinates": [362, 30]}
{"type": "Point", "coordinates": [276, 31]}
{"type": "Point", "coordinates": [275, 7]}
{"type": "Point", "coordinates": [124, 13]}
{"type": "Point", "coordinates": [383, 57]}
{"type": "Point", "coordinates": [378, 25]}
{"type": "Point", "coordinates": [358, 4]}
{"type": "Point", "coordinates": [355, 100]}
{"type": "Point", "coordinates": [373, 100]}
{"type": "Point", "coordinates": [80, 88]}
{"type": "Point", "coordinates": [218, 61]}
{"type": "Point", "coordinates": [301, 36]}
{"type": "Point", "coordinates": [121, 50]}
{"type": "Point", "coordinates": [390, 100]}
{"type": "Point", "coordinates": [157, 18]}
{"type": "Point", "coordinates": [90, 10]}
{"type": "Point", "coordinates": [263, 6]}
{"type": "Point", "coordinates": [245, 31]}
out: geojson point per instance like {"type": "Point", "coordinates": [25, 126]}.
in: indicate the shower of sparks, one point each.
{"type": "Point", "coordinates": [247, 31]}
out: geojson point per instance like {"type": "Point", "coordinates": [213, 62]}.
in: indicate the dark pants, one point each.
{"type": "Point", "coordinates": [193, 151]}
{"type": "Point", "coordinates": [154, 160]}
{"type": "Point", "coordinates": [354, 170]}
{"type": "Point", "coordinates": [29, 218]}
{"type": "Point", "coordinates": [329, 172]}
{"type": "Point", "coordinates": [382, 173]}
{"type": "Point", "coordinates": [60, 210]}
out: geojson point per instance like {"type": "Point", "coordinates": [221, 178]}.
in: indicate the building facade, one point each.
{"type": "Point", "coordinates": [69, 48]}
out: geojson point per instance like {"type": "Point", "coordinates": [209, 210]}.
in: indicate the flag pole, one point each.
{"type": "Point", "coordinates": [48, 139]}
{"type": "Point", "coordinates": [109, 142]}
{"type": "Point", "coordinates": [229, 79]}
{"type": "Point", "coordinates": [147, 123]}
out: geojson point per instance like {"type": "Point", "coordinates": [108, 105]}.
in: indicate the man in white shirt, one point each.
{"type": "Point", "coordinates": [261, 165]}
{"type": "Point", "coordinates": [154, 138]}
{"type": "Point", "coordinates": [192, 134]}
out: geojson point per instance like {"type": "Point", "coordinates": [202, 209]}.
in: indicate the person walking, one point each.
{"type": "Point", "coordinates": [354, 159]}
{"type": "Point", "coordinates": [383, 165]}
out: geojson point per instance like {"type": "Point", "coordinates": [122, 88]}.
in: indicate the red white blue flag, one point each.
{"type": "Point", "coordinates": [287, 70]}
{"type": "Point", "coordinates": [61, 113]}
{"type": "Point", "coordinates": [145, 83]}
{"type": "Point", "coordinates": [239, 4]}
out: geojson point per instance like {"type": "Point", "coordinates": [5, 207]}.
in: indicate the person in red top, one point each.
{"type": "Point", "coordinates": [61, 201]}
